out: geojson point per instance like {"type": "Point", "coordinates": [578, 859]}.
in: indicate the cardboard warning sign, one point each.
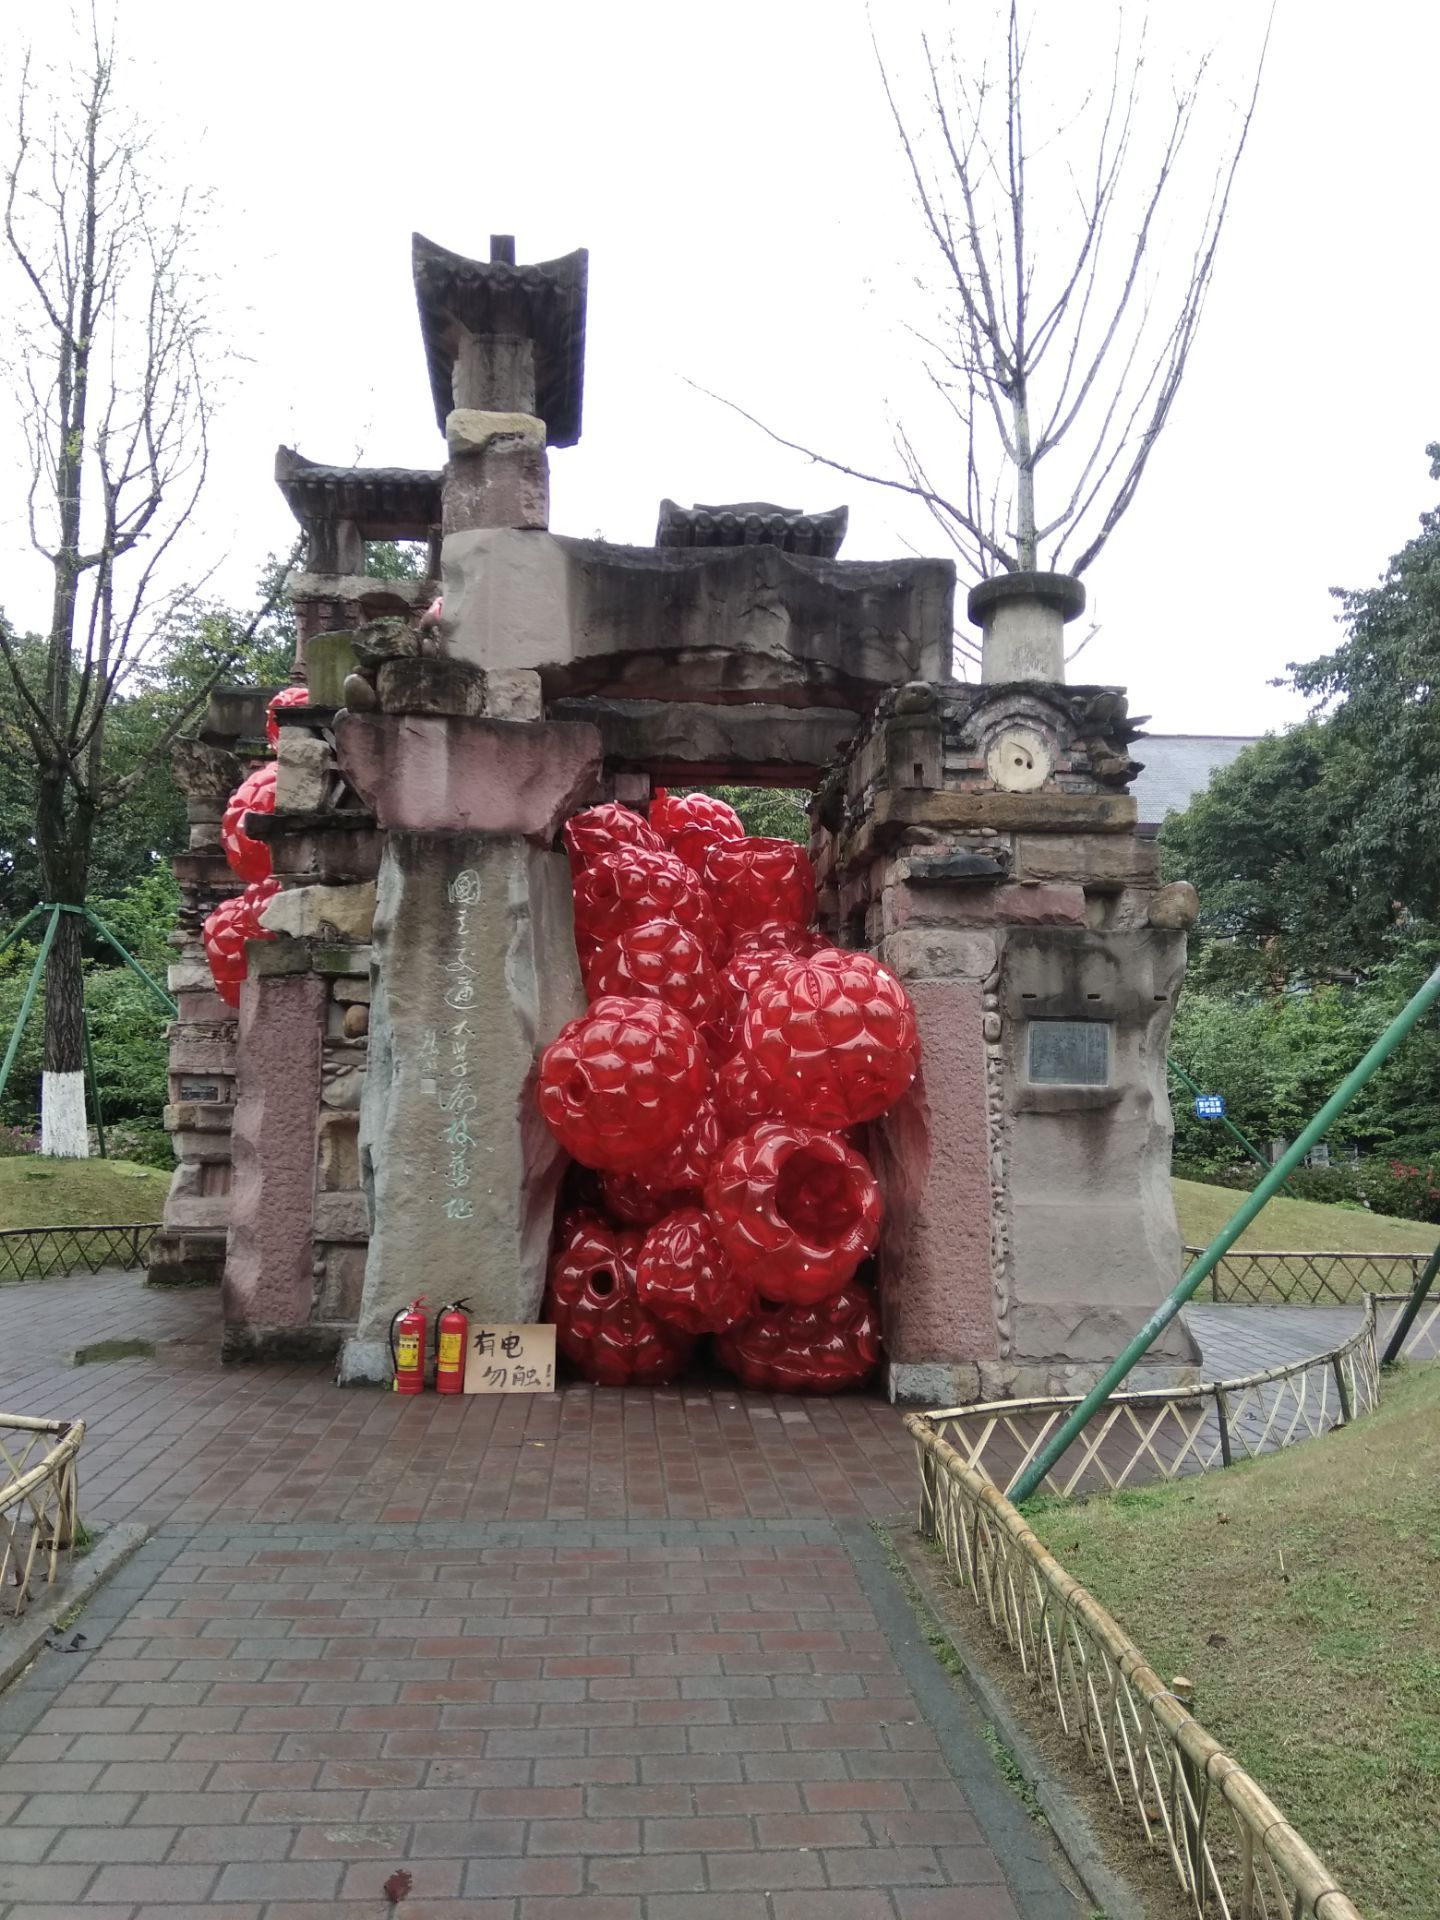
{"type": "Point", "coordinates": [510, 1359]}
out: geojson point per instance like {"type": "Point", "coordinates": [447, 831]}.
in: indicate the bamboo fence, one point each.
{"type": "Point", "coordinates": [1233, 1852]}
{"type": "Point", "coordinates": [39, 1501]}
{"type": "Point", "coordinates": [1308, 1279]}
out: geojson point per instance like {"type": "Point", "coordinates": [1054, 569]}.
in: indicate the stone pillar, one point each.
{"type": "Point", "coordinates": [980, 841]}
{"type": "Point", "coordinates": [268, 1281]}
{"type": "Point", "coordinates": [1023, 617]}
{"type": "Point", "coordinates": [475, 971]}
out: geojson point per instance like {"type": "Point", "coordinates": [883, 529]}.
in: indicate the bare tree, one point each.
{"type": "Point", "coordinates": [107, 358]}
{"type": "Point", "coordinates": [1066, 303]}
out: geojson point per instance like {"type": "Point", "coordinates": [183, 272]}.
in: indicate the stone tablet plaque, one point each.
{"type": "Point", "coordinates": [205, 1092]}
{"type": "Point", "coordinates": [510, 1359]}
{"type": "Point", "coordinates": [1069, 1053]}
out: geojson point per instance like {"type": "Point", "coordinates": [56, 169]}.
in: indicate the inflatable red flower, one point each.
{"type": "Point", "coordinates": [836, 1037]}
{"type": "Point", "coordinates": [796, 1210]}
{"type": "Point", "coordinates": [657, 960]}
{"type": "Point", "coordinates": [691, 823]}
{"type": "Point", "coordinates": [287, 697]}
{"type": "Point", "coordinates": [601, 1326]}
{"type": "Point", "coordinates": [684, 1278]}
{"type": "Point", "coordinates": [608, 828]}
{"type": "Point", "coordinates": [248, 858]}
{"type": "Point", "coordinates": [225, 932]}
{"type": "Point", "coordinates": [743, 1097]}
{"type": "Point", "coordinates": [640, 1203]}
{"type": "Point", "coordinates": [619, 1085]}
{"type": "Point", "coordinates": [755, 881]}
{"type": "Point", "coordinates": [823, 1348]}
{"type": "Point", "coordinates": [618, 891]}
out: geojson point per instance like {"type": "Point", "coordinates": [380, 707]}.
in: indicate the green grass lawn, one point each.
{"type": "Point", "coordinates": [1301, 1594]}
{"type": "Point", "coordinates": [78, 1193]}
{"type": "Point", "coordinates": [1297, 1225]}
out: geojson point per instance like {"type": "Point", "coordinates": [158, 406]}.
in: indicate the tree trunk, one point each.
{"type": "Point", "coordinates": [63, 845]}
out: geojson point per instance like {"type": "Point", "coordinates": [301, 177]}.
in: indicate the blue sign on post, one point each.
{"type": "Point", "coordinates": [1210, 1106]}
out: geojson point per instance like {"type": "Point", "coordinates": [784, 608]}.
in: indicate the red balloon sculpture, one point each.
{"type": "Point", "coordinates": [600, 1325]}
{"type": "Point", "coordinates": [691, 823]}
{"type": "Point", "coordinates": [618, 891]}
{"type": "Point", "coordinates": [755, 881]}
{"type": "Point", "coordinates": [248, 858]}
{"type": "Point", "coordinates": [658, 960]}
{"type": "Point", "coordinates": [684, 1278]}
{"type": "Point", "coordinates": [689, 1161]}
{"type": "Point", "coordinates": [835, 1035]}
{"type": "Point", "coordinates": [743, 1097]}
{"type": "Point", "coordinates": [618, 1085]}
{"type": "Point", "coordinates": [225, 932]}
{"type": "Point", "coordinates": [608, 828]}
{"type": "Point", "coordinates": [287, 697]}
{"type": "Point", "coordinates": [823, 1348]}
{"type": "Point", "coordinates": [638, 1202]}
{"type": "Point", "coordinates": [796, 1210]}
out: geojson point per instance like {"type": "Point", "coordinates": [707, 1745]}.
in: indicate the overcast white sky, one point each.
{"type": "Point", "coordinates": [733, 172]}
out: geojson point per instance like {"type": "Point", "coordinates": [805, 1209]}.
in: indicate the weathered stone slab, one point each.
{"type": "Point", "coordinates": [304, 772]}
{"type": "Point", "coordinates": [983, 906]}
{"type": "Point", "coordinates": [1089, 860]}
{"type": "Point", "coordinates": [322, 913]}
{"type": "Point", "coordinates": [431, 685]}
{"type": "Point", "coordinates": [424, 774]}
{"type": "Point", "coordinates": [1004, 812]}
{"type": "Point", "coordinates": [267, 1264]}
{"type": "Point", "coordinates": [684, 740]}
{"type": "Point", "coordinates": [726, 624]}
{"type": "Point", "coordinates": [929, 953]}
{"type": "Point", "coordinates": [475, 973]}
{"type": "Point", "coordinates": [1091, 1214]}
{"type": "Point", "coordinates": [1176, 906]}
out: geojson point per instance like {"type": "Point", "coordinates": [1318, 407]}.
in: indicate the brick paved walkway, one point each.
{"type": "Point", "coordinates": [601, 1657]}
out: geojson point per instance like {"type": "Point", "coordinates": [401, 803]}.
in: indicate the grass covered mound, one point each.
{"type": "Point", "coordinates": [36, 1192]}
{"type": "Point", "coordinates": [1301, 1594]}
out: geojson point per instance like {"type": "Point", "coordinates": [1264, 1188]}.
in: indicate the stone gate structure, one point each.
{"type": "Point", "coordinates": [366, 1129]}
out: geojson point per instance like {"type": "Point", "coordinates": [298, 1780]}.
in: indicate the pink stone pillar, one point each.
{"type": "Point", "coordinates": [932, 1158]}
{"type": "Point", "coordinates": [268, 1278]}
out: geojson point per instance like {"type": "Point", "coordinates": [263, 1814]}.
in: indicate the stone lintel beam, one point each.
{"type": "Point", "coordinates": [434, 773]}
{"type": "Point", "coordinates": [360, 589]}
{"type": "Point", "coordinates": [696, 741]}
{"type": "Point", "coordinates": [1002, 812]}
{"type": "Point", "coordinates": [235, 718]}
{"type": "Point", "coordinates": [730, 624]}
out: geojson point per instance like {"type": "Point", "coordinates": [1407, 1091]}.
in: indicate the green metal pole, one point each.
{"type": "Point", "coordinates": [1412, 1307]}
{"type": "Point", "coordinates": [94, 1083]}
{"type": "Point", "coordinates": [20, 925]}
{"type": "Point", "coordinates": [1225, 1120]}
{"type": "Point", "coordinates": [129, 959]}
{"type": "Point", "coordinates": [1077, 1421]}
{"type": "Point", "coordinates": [28, 1002]}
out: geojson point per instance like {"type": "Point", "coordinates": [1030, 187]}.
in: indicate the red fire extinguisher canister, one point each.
{"type": "Point", "coordinates": [452, 1332]}
{"type": "Point", "coordinates": [407, 1347]}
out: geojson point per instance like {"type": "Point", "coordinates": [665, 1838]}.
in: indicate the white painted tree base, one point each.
{"type": "Point", "coordinates": [62, 1116]}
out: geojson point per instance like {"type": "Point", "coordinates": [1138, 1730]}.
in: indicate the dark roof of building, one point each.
{"type": "Point", "coordinates": [752, 523]}
{"type": "Point", "coordinates": [386, 503]}
{"type": "Point", "coordinates": [544, 303]}
{"type": "Point", "coordinates": [1177, 766]}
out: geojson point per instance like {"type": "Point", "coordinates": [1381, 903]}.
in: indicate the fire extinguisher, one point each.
{"type": "Point", "coordinates": [452, 1337]}
{"type": "Point", "coordinates": [407, 1347]}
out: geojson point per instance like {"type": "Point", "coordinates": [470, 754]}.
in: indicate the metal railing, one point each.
{"type": "Point", "coordinates": [39, 1501]}
{"type": "Point", "coordinates": [1232, 1850]}
{"type": "Point", "coordinates": [1309, 1279]}
{"type": "Point", "coordinates": [33, 1253]}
